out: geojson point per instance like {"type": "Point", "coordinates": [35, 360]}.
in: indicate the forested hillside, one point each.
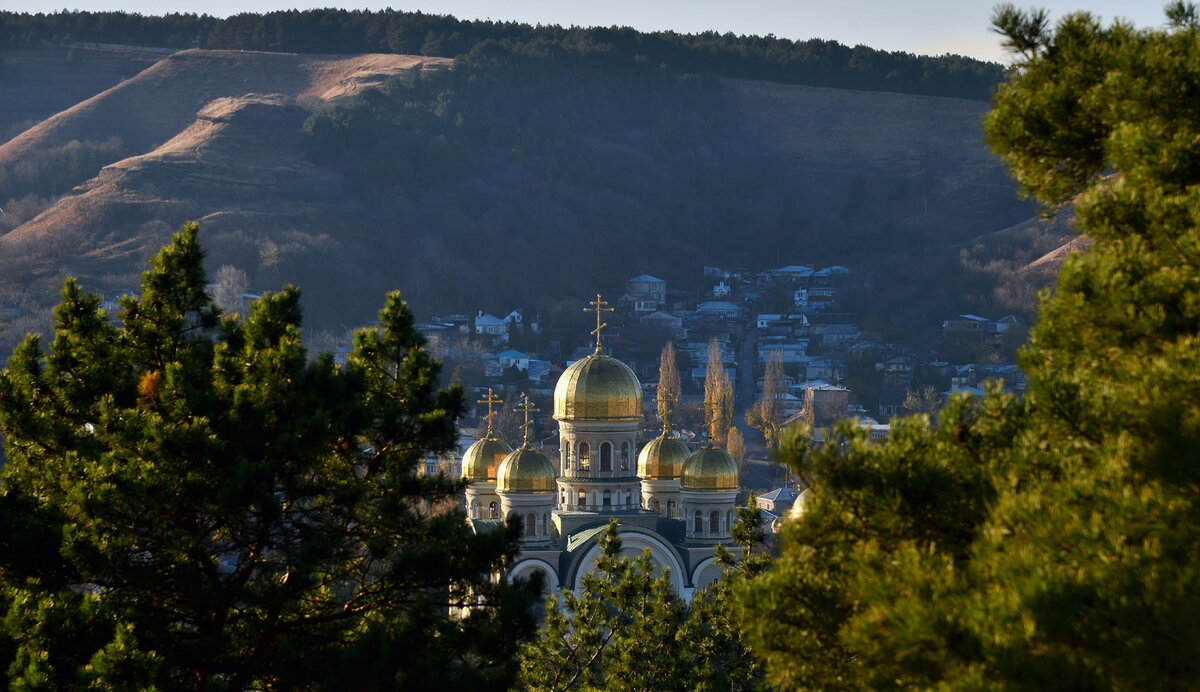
{"type": "Point", "coordinates": [813, 62]}
{"type": "Point", "coordinates": [540, 163]}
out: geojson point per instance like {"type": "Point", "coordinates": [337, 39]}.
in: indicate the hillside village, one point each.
{"type": "Point", "coordinates": [832, 368]}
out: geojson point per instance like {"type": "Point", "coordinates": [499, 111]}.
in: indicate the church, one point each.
{"type": "Point", "coordinates": [676, 502]}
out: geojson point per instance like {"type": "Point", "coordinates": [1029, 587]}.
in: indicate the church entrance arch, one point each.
{"type": "Point", "coordinates": [632, 544]}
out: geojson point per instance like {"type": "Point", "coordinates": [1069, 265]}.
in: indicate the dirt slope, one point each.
{"type": "Point", "coordinates": [151, 108]}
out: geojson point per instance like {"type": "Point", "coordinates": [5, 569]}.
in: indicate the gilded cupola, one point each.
{"type": "Point", "coordinates": [598, 387]}
{"type": "Point", "coordinates": [662, 459]}
{"type": "Point", "coordinates": [709, 468]}
{"type": "Point", "coordinates": [482, 459]}
{"type": "Point", "coordinates": [525, 469]}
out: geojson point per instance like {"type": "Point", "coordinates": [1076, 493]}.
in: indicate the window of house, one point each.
{"type": "Point", "coordinates": [624, 456]}
{"type": "Point", "coordinates": [605, 456]}
{"type": "Point", "coordinates": [714, 523]}
{"type": "Point", "coordinates": [670, 508]}
{"type": "Point", "coordinates": [582, 499]}
{"type": "Point", "coordinates": [607, 499]}
{"type": "Point", "coordinates": [493, 511]}
{"type": "Point", "coordinates": [699, 523]}
{"type": "Point", "coordinates": [530, 525]}
{"type": "Point", "coordinates": [654, 505]}
{"type": "Point", "coordinates": [585, 456]}
{"type": "Point", "coordinates": [628, 498]}
{"type": "Point", "coordinates": [546, 524]}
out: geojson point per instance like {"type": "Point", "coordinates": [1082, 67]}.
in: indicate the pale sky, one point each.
{"type": "Point", "coordinates": [930, 27]}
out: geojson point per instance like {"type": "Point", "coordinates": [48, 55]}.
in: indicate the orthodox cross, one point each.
{"type": "Point", "coordinates": [526, 408]}
{"type": "Point", "coordinates": [491, 399]}
{"type": "Point", "coordinates": [599, 306]}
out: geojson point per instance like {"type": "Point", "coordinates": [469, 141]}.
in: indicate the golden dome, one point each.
{"type": "Point", "coordinates": [662, 458]}
{"type": "Point", "coordinates": [482, 459]}
{"type": "Point", "coordinates": [709, 468]}
{"type": "Point", "coordinates": [798, 505]}
{"type": "Point", "coordinates": [598, 387]}
{"type": "Point", "coordinates": [525, 470]}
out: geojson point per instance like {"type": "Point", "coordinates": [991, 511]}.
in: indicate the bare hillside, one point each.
{"type": "Point", "coordinates": [216, 136]}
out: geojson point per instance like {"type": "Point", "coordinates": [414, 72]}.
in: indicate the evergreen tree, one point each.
{"type": "Point", "coordinates": [618, 633]}
{"type": "Point", "coordinates": [1048, 542]}
{"type": "Point", "coordinates": [192, 503]}
{"type": "Point", "coordinates": [715, 630]}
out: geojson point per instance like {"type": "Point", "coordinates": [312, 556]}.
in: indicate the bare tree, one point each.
{"type": "Point", "coordinates": [737, 450]}
{"type": "Point", "coordinates": [231, 286]}
{"type": "Point", "coordinates": [766, 415]}
{"type": "Point", "coordinates": [668, 384]}
{"type": "Point", "coordinates": [718, 396]}
{"type": "Point", "coordinates": [924, 400]}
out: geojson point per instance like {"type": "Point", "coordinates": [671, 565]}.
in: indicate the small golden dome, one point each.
{"type": "Point", "coordinates": [598, 387]}
{"type": "Point", "coordinates": [662, 459]}
{"type": "Point", "coordinates": [709, 468]}
{"type": "Point", "coordinates": [482, 459]}
{"type": "Point", "coordinates": [525, 470]}
{"type": "Point", "coordinates": [798, 505]}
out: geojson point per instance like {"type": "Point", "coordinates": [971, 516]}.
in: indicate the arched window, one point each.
{"type": "Point", "coordinates": [714, 523]}
{"type": "Point", "coordinates": [654, 505]}
{"type": "Point", "coordinates": [606, 499]}
{"type": "Point", "coordinates": [582, 499]}
{"type": "Point", "coordinates": [628, 499]}
{"type": "Point", "coordinates": [729, 520]}
{"type": "Point", "coordinates": [562, 497]}
{"type": "Point", "coordinates": [699, 530]}
{"type": "Point", "coordinates": [475, 510]}
{"type": "Point", "coordinates": [531, 525]}
{"type": "Point", "coordinates": [546, 524]}
{"type": "Point", "coordinates": [493, 511]}
{"type": "Point", "coordinates": [566, 457]}
{"type": "Point", "coordinates": [606, 456]}
{"type": "Point", "coordinates": [624, 456]}
{"type": "Point", "coordinates": [585, 457]}
{"type": "Point", "coordinates": [670, 508]}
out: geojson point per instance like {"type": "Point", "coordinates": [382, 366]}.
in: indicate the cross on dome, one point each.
{"type": "Point", "coordinates": [491, 399]}
{"type": "Point", "coordinates": [599, 305]}
{"type": "Point", "coordinates": [527, 408]}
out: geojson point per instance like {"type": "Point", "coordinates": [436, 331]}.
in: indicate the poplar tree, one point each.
{"type": "Point", "coordinates": [194, 503]}
{"type": "Point", "coordinates": [668, 392]}
{"type": "Point", "coordinates": [1048, 542]}
{"type": "Point", "coordinates": [718, 396]}
{"type": "Point", "coordinates": [766, 415]}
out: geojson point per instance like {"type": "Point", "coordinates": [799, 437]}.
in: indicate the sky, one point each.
{"type": "Point", "coordinates": [931, 27]}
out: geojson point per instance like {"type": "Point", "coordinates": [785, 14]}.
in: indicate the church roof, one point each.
{"type": "Point", "coordinates": [598, 387]}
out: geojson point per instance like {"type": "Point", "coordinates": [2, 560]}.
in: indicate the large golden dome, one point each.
{"type": "Point", "coordinates": [598, 387]}
{"type": "Point", "coordinates": [482, 459]}
{"type": "Point", "coordinates": [525, 470]}
{"type": "Point", "coordinates": [662, 459]}
{"type": "Point", "coordinates": [709, 468]}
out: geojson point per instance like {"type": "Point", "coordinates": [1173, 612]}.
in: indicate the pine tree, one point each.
{"type": "Point", "coordinates": [720, 657]}
{"type": "Point", "coordinates": [617, 633]}
{"type": "Point", "coordinates": [192, 503]}
{"type": "Point", "coordinates": [1048, 542]}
